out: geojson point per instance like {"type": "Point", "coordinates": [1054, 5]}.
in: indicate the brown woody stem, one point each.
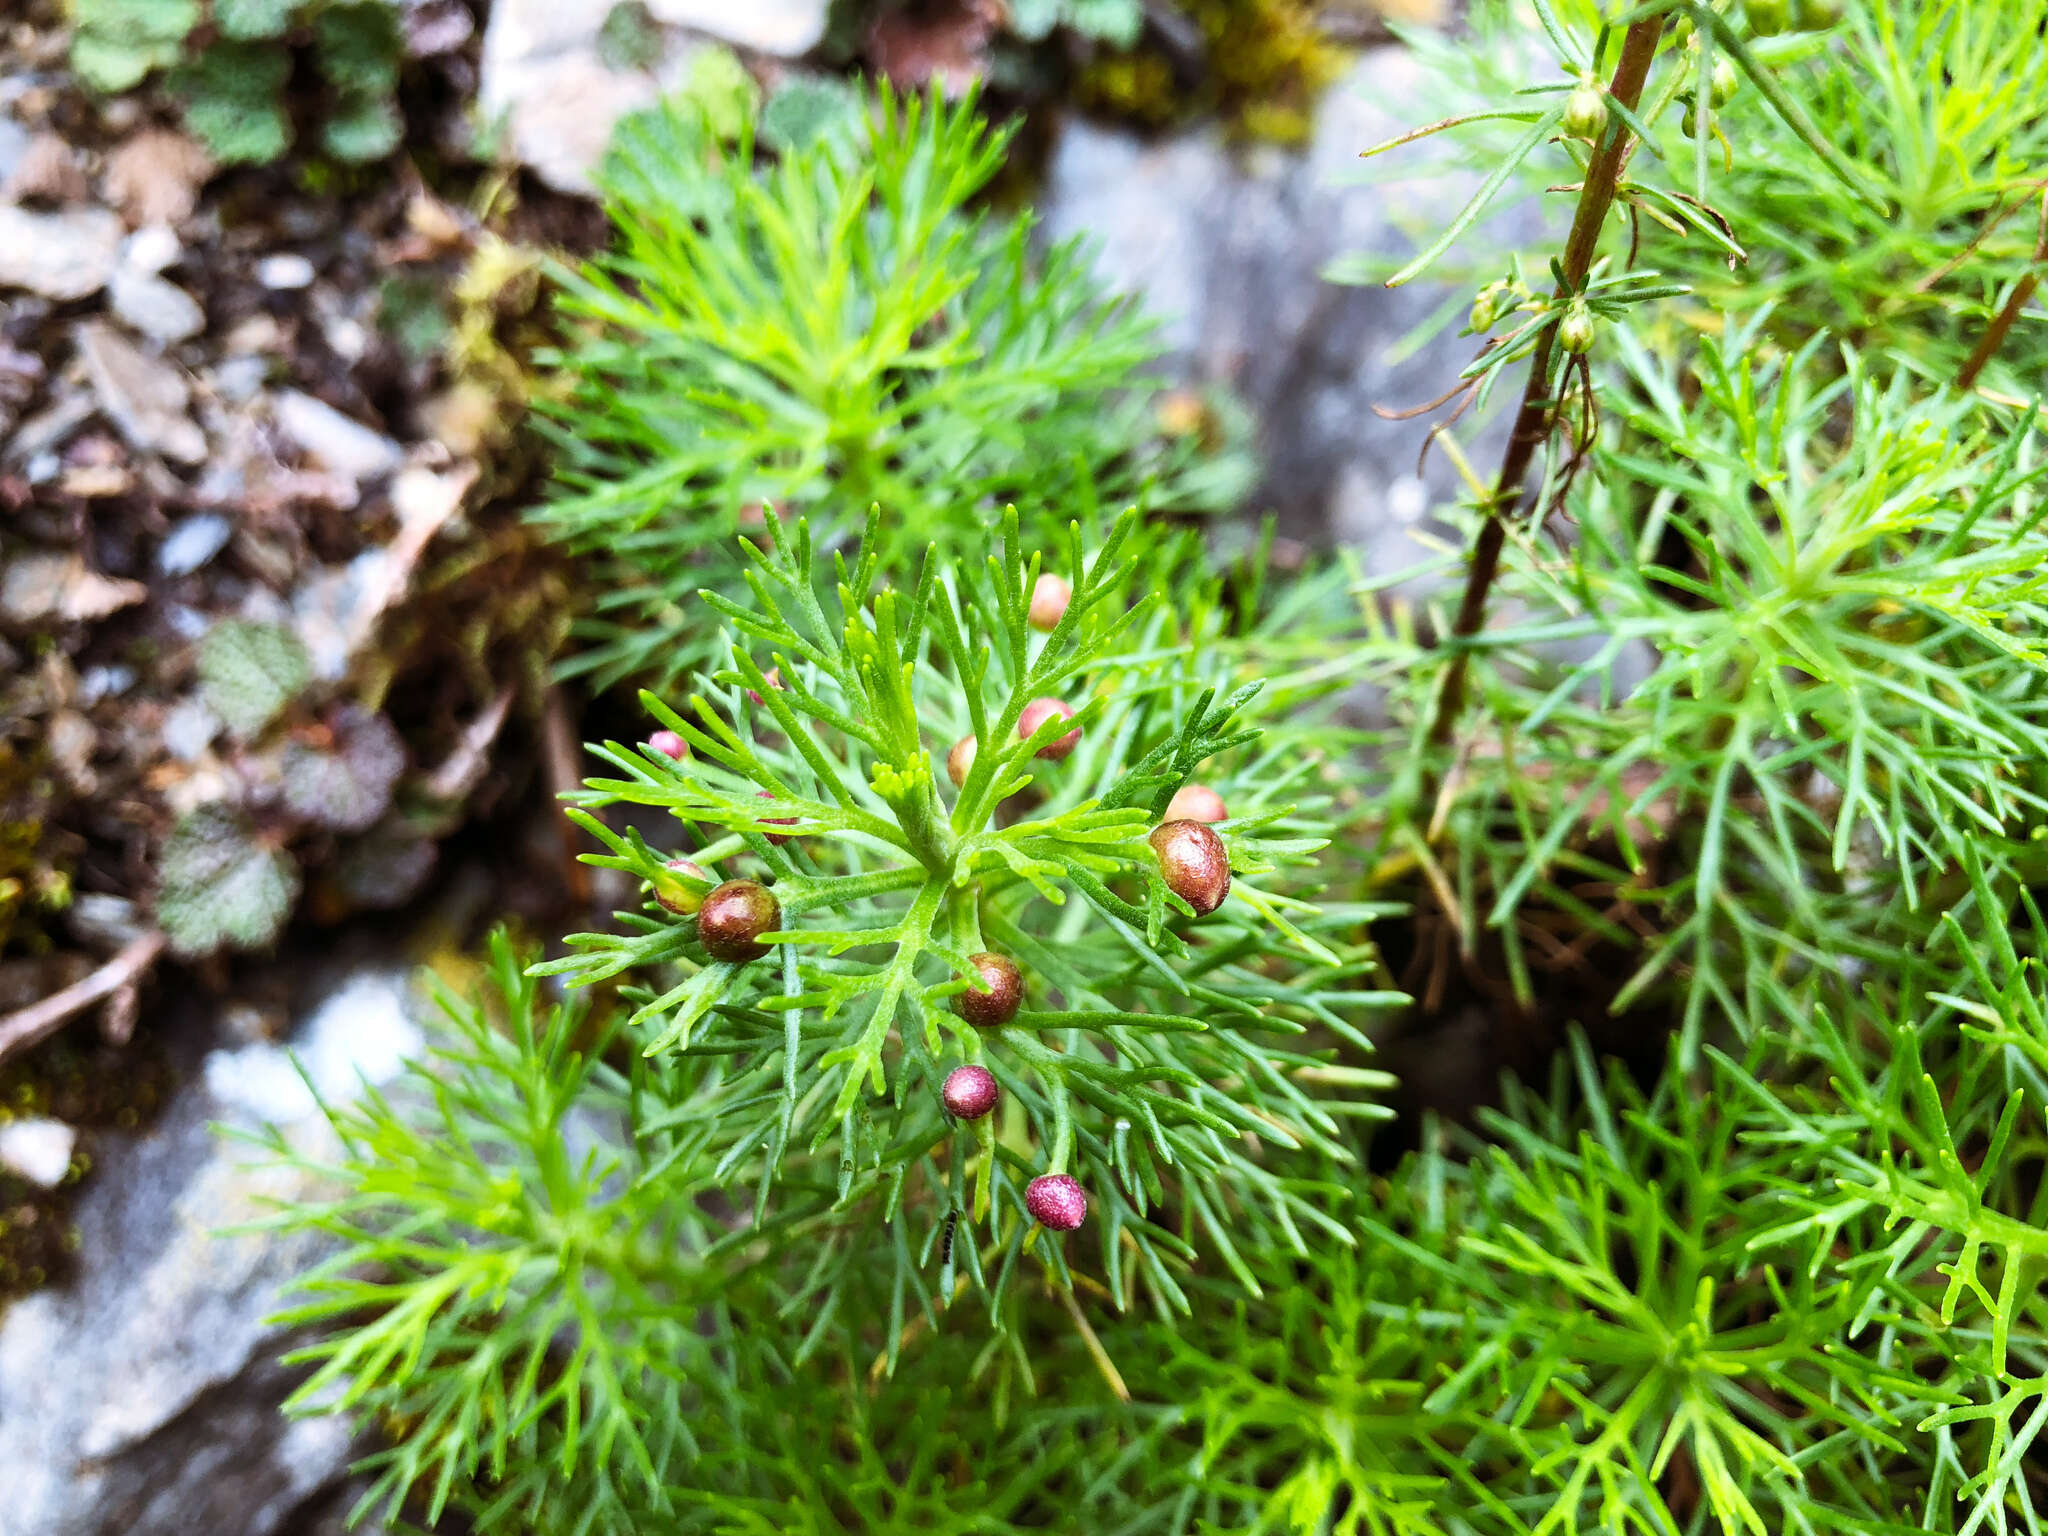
{"type": "Point", "coordinates": [1534, 419]}
{"type": "Point", "coordinates": [1994, 334]}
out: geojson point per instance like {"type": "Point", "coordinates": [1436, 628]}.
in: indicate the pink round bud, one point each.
{"type": "Point", "coordinates": [1036, 713]}
{"type": "Point", "coordinates": [970, 1092]}
{"type": "Point", "coordinates": [1049, 599]}
{"type": "Point", "coordinates": [960, 760]}
{"type": "Point", "coordinates": [1194, 862]}
{"type": "Point", "coordinates": [993, 993]}
{"type": "Point", "coordinates": [773, 678]}
{"type": "Point", "coordinates": [1196, 802]}
{"type": "Point", "coordinates": [777, 838]}
{"type": "Point", "coordinates": [669, 744]}
{"type": "Point", "coordinates": [733, 918]}
{"type": "Point", "coordinates": [1056, 1201]}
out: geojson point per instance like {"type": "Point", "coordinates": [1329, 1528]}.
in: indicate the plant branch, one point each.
{"type": "Point", "coordinates": [1994, 334]}
{"type": "Point", "coordinates": [26, 1026]}
{"type": "Point", "coordinates": [1534, 418]}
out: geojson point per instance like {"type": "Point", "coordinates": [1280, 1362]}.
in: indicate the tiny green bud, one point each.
{"type": "Point", "coordinates": [1489, 306]}
{"type": "Point", "coordinates": [733, 918]}
{"type": "Point", "coordinates": [1819, 15]}
{"type": "Point", "coordinates": [1585, 113]}
{"type": "Point", "coordinates": [677, 897]}
{"type": "Point", "coordinates": [1577, 331]}
{"type": "Point", "coordinates": [994, 992]}
{"type": "Point", "coordinates": [1767, 18]}
{"type": "Point", "coordinates": [1194, 863]}
{"type": "Point", "coordinates": [1723, 83]}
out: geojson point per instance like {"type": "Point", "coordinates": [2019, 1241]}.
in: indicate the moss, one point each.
{"type": "Point", "coordinates": [1266, 63]}
{"type": "Point", "coordinates": [35, 878]}
{"type": "Point", "coordinates": [88, 1086]}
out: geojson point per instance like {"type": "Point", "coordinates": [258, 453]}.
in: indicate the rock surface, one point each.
{"type": "Point", "coordinates": [61, 256]}
{"type": "Point", "coordinates": [142, 1399]}
{"type": "Point", "coordinates": [1227, 253]}
{"type": "Point", "coordinates": [558, 89]}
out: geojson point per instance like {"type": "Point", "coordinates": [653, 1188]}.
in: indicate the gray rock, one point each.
{"type": "Point", "coordinates": [142, 1399]}
{"type": "Point", "coordinates": [146, 398]}
{"type": "Point", "coordinates": [160, 310]}
{"type": "Point", "coordinates": [192, 543]}
{"type": "Point", "coordinates": [335, 441]}
{"type": "Point", "coordinates": [784, 27]}
{"type": "Point", "coordinates": [62, 256]}
{"type": "Point", "coordinates": [543, 81]}
{"type": "Point", "coordinates": [285, 271]}
{"type": "Point", "coordinates": [1228, 254]}
{"type": "Point", "coordinates": [14, 142]}
{"type": "Point", "coordinates": [152, 248]}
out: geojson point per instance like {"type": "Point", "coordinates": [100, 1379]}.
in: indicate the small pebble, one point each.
{"type": "Point", "coordinates": [286, 270]}
{"type": "Point", "coordinates": [151, 249]}
{"type": "Point", "coordinates": [38, 1150]}
{"type": "Point", "coordinates": [192, 543]}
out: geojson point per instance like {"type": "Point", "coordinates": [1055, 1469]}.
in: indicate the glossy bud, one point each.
{"type": "Point", "coordinates": [733, 918]}
{"type": "Point", "coordinates": [1056, 1201]}
{"type": "Point", "coordinates": [970, 1092]}
{"type": "Point", "coordinates": [669, 744]}
{"type": "Point", "coordinates": [676, 897]}
{"type": "Point", "coordinates": [1196, 802]}
{"type": "Point", "coordinates": [993, 993]}
{"type": "Point", "coordinates": [1194, 863]}
{"type": "Point", "coordinates": [1049, 599]}
{"type": "Point", "coordinates": [1036, 713]}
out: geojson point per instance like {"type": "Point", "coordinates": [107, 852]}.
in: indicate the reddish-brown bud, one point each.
{"type": "Point", "coordinates": [960, 760]}
{"type": "Point", "coordinates": [1196, 802]}
{"type": "Point", "coordinates": [677, 897]}
{"type": "Point", "coordinates": [773, 678]}
{"type": "Point", "coordinates": [669, 744]}
{"type": "Point", "coordinates": [1036, 713]}
{"type": "Point", "coordinates": [993, 993]}
{"type": "Point", "coordinates": [1056, 1201]}
{"type": "Point", "coordinates": [777, 838]}
{"type": "Point", "coordinates": [733, 918]}
{"type": "Point", "coordinates": [970, 1092]}
{"type": "Point", "coordinates": [1195, 863]}
{"type": "Point", "coordinates": [1049, 599]}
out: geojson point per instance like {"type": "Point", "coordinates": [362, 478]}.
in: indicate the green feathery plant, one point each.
{"type": "Point", "coordinates": [833, 330]}
{"type": "Point", "coordinates": [902, 930]}
{"type": "Point", "coordinates": [1736, 725]}
{"type": "Point", "coordinates": [902, 1011]}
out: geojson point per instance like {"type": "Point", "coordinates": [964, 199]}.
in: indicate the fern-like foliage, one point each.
{"type": "Point", "coordinates": [834, 330]}
{"type": "Point", "coordinates": [1144, 1050]}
